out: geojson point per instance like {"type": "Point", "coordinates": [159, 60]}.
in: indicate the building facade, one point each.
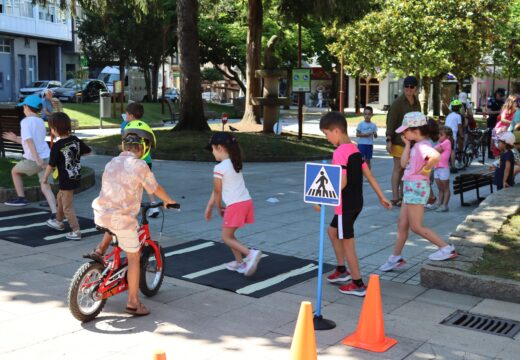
{"type": "Point", "coordinates": [36, 43]}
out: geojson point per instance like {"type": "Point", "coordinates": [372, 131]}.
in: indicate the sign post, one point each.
{"type": "Point", "coordinates": [322, 186]}
{"type": "Point", "coordinates": [224, 119]}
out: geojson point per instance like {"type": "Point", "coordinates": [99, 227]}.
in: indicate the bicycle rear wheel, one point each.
{"type": "Point", "coordinates": [151, 277]}
{"type": "Point", "coordinates": [84, 302]}
{"type": "Point", "coordinates": [469, 153]}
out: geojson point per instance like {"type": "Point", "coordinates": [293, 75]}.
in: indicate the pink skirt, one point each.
{"type": "Point", "coordinates": [238, 214]}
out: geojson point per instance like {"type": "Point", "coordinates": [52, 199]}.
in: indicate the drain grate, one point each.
{"type": "Point", "coordinates": [483, 323]}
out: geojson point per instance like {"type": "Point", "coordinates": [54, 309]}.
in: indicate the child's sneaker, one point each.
{"type": "Point", "coordinates": [337, 276]}
{"type": "Point", "coordinates": [239, 267]}
{"type": "Point", "coordinates": [55, 224]}
{"type": "Point", "coordinates": [74, 235]}
{"type": "Point", "coordinates": [252, 261]}
{"type": "Point", "coordinates": [19, 201]}
{"type": "Point", "coordinates": [442, 208]}
{"type": "Point", "coordinates": [431, 206]}
{"type": "Point", "coordinates": [445, 253]}
{"type": "Point", "coordinates": [353, 289]}
{"type": "Point", "coordinates": [392, 263]}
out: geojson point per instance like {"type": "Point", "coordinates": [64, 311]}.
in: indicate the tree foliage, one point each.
{"type": "Point", "coordinates": [422, 37]}
{"type": "Point", "coordinates": [506, 50]}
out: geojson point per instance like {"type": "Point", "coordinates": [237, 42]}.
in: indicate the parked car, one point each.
{"type": "Point", "coordinates": [211, 96]}
{"type": "Point", "coordinates": [172, 94]}
{"type": "Point", "coordinates": [37, 88]}
{"type": "Point", "coordinates": [85, 90]}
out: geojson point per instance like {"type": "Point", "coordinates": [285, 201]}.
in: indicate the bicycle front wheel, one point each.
{"type": "Point", "coordinates": [84, 301]}
{"type": "Point", "coordinates": [151, 275]}
{"type": "Point", "coordinates": [469, 153]}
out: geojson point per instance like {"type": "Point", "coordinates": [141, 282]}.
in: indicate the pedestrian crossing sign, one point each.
{"type": "Point", "coordinates": [322, 184]}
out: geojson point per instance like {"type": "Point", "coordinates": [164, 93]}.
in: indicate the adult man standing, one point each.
{"type": "Point", "coordinates": [494, 105]}
{"type": "Point", "coordinates": [47, 107]}
{"type": "Point", "coordinates": [405, 103]}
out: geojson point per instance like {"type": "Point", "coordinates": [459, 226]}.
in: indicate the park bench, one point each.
{"type": "Point", "coordinates": [10, 117]}
{"type": "Point", "coordinates": [472, 181]}
{"type": "Point", "coordinates": [171, 109]}
{"type": "Point", "coordinates": [208, 114]}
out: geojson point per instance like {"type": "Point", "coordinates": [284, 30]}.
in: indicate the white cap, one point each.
{"type": "Point", "coordinates": [508, 137]}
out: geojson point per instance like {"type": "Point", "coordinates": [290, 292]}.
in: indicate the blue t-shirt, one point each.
{"type": "Point", "coordinates": [47, 105]}
{"type": "Point", "coordinates": [364, 128]}
{"type": "Point", "coordinates": [515, 121]}
{"type": "Point", "coordinates": [500, 170]}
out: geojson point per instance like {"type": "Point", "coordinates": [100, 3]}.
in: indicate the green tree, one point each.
{"type": "Point", "coordinates": [427, 38]}
{"type": "Point", "coordinates": [506, 50]}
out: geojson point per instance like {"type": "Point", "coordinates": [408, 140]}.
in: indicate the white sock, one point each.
{"type": "Point", "coordinates": [394, 258]}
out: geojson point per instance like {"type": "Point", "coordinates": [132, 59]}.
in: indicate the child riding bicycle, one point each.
{"type": "Point", "coordinates": [117, 206]}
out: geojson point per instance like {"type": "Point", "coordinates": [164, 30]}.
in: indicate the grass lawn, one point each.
{"type": "Point", "coordinates": [256, 147]}
{"type": "Point", "coordinates": [88, 114]}
{"type": "Point", "coordinates": [5, 175]}
{"type": "Point", "coordinates": [501, 257]}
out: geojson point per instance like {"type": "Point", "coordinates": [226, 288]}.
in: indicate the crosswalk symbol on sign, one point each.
{"type": "Point", "coordinates": [322, 184]}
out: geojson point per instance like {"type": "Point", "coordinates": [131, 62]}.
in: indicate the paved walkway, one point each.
{"type": "Point", "coordinates": [197, 322]}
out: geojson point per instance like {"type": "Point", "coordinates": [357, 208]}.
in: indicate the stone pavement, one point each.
{"type": "Point", "coordinates": [197, 322]}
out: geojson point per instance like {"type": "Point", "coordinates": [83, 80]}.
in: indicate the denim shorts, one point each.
{"type": "Point", "coordinates": [416, 192]}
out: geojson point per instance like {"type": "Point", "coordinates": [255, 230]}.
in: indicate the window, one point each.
{"type": "Point", "coordinates": [32, 68]}
{"type": "Point", "coordinates": [5, 46]}
{"type": "Point", "coordinates": [48, 13]}
{"type": "Point", "coordinates": [369, 91]}
{"type": "Point", "coordinates": [26, 8]}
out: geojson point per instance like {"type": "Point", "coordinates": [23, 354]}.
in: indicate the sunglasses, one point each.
{"type": "Point", "coordinates": [409, 86]}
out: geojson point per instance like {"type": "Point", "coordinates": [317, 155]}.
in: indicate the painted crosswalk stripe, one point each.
{"type": "Point", "coordinates": [54, 237]}
{"type": "Point", "coordinates": [18, 227]}
{"type": "Point", "coordinates": [190, 249]}
{"type": "Point", "coordinates": [22, 215]}
{"type": "Point", "coordinates": [275, 280]}
{"type": "Point", "coordinates": [209, 270]}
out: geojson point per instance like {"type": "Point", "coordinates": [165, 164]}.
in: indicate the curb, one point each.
{"type": "Point", "coordinates": [33, 193]}
{"type": "Point", "coordinates": [470, 238]}
{"type": "Point", "coordinates": [210, 158]}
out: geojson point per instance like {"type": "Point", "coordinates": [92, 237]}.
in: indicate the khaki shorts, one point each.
{"type": "Point", "coordinates": [128, 240]}
{"type": "Point", "coordinates": [396, 151]}
{"type": "Point", "coordinates": [30, 168]}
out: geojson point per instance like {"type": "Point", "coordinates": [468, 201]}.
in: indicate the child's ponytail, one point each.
{"type": "Point", "coordinates": [235, 154]}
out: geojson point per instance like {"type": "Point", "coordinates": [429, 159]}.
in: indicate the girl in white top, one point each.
{"type": "Point", "coordinates": [229, 187]}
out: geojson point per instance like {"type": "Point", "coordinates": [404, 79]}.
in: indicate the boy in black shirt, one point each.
{"type": "Point", "coordinates": [65, 156]}
{"type": "Point", "coordinates": [504, 173]}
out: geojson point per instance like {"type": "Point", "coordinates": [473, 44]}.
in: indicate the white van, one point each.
{"type": "Point", "coordinates": [135, 85]}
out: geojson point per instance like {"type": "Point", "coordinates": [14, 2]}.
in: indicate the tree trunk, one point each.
{"type": "Point", "coordinates": [155, 81]}
{"type": "Point", "coordinates": [148, 82]}
{"type": "Point", "coordinates": [192, 113]}
{"type": "Point", "coordinates": [424, 97]}
{"type": "Point", "coordinates": [253, 52]}
{"type": "Point", "coordinates": [436, 96]}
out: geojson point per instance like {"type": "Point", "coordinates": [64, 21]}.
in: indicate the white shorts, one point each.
{"type": "Point", "coordinates": [128, 240]}
{"type": "Point", "coordinates": [441, 173]}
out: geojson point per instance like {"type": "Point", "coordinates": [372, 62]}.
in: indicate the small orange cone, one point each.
{"type": "Point", "coordinates": [370, 333]}
{"type": "Point", "coordinates": [303, 346]}
{"type": "Point", "coordinates": [159, 355]}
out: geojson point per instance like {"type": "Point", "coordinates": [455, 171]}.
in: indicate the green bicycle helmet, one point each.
{"type": "Point", "coordinates": [456, 103]}
{"type": "Point", "coordinates": [144, 131]}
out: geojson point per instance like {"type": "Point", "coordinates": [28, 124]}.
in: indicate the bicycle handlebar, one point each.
{"type": "Point", "coordinates": [147, 206]}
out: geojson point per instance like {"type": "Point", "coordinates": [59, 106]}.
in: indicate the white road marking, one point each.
{"type": "Point", "coordinates": [54, 237]}
{"type": "Point", "coordinates": [208, 271]}
{"type": "Point", "coordinates": [275, 280]}
{"type": "Point", "coordinates": [22, 215]}
{"type": "Point", "coordinates": [190, 249]}
{"type": "Point", "coordinates": [18, 227]}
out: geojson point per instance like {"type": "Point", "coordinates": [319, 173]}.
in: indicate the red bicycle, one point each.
{"type": "Point", "coordinates": [94, 282]}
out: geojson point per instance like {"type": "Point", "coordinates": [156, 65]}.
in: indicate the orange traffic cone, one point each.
{"type": "Point", "coordinates": [370, 333]}
{"type": "Point", "coordinates": [159, 355]}
{"type": "Point", "coordinates": [303, 346]}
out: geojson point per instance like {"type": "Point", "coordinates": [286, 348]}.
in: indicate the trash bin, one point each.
{"type": "Point", "coordinates": [104, 104]}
